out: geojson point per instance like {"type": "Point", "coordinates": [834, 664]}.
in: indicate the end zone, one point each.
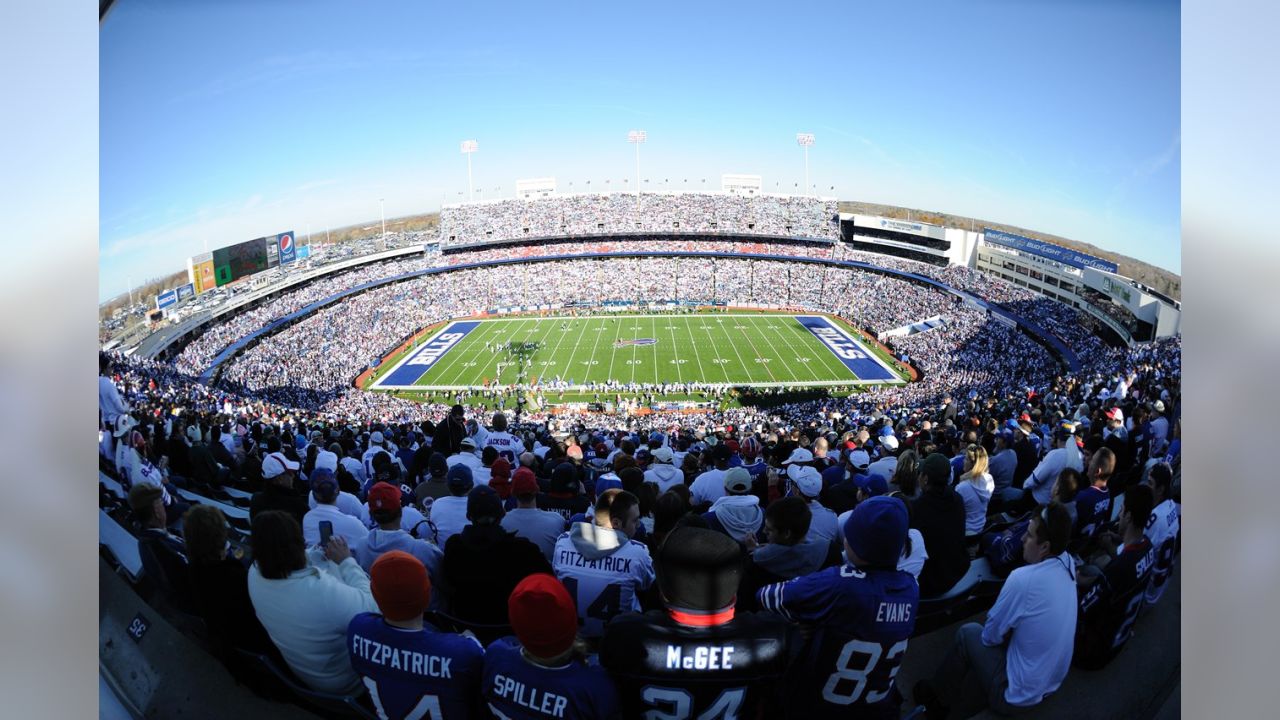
{"type": "Point", "coordinates": [416, 364]}
{"type": "Point", "coordinates": [848, 350]}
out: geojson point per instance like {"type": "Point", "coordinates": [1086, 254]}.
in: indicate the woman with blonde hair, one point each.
{"type": "Point", "coordinates": [975, 487]}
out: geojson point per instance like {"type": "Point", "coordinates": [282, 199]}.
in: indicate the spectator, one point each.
{"type": "Point", "coordinates": [737, 513]}
{"type": "Point", "coordinates": [662, 473]}
{"type": "Point", "coordinates": [709, 486]}
{"type": "Point", "coordinates": [939, 515]}
{"type": "Point", "coordinates": [1163, 529]}
{"type": "Point", "coordinates": [306, 599]}
{"type": "Point", "coordinates": [164, 555]}
{"type": "Point", "coordinates": [975, 488]}
{"type": "Point", "coordinates": [867, 605]}
{"type": "Point", "coordinates": [541, 527]}
{"type": "Point", "coordinates": [449, 514]}
{"type": "Point", "coordinates": [906, 475]}
{"type": "Point", "coordinates": [1093, 504]}
{"type": "Point", "coordinates": [389, 534]}
{"type": "Point", "coordinates": [450, 432]}
{"type": "Point", "coordinates": [483, 562]}
{"type": "Point", "coordinates": [604, 571]}
{"type": "Point", "coordinates": [442, 674]}
{"type": "Point", "coordinates": [324, 488]}
{"type": "Point", "coordinates": [1003, 462]}
{"type": "Point", "coordinates": [277, 492]}
{"type": "Point", "coordinates": [564, 493]}
{"type": "Point", "coordinates": [111, 407]}
{"type": "Point", "coordinates": [435, 485]}
{"type": "Point", "coordinates": [543, 670]}
{"type": "Point", "coordinates": [788, 552]}
{"type": "Point", "coordinates": [713, 656]}
{"type": "Point", "coordinates": [1023, 651]}
{"type": "Point", "coordinates": [806, 484]}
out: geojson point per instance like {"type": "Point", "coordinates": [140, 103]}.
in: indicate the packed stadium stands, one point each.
{"type": "Point", "coordinates": [283, 438]}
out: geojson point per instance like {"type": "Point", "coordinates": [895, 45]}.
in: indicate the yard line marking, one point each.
{"type": "Point", "coordinates": [778, 355]}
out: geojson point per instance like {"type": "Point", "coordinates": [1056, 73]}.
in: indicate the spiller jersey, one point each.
{"type": "Point", "coordinates": [862, 619]}
{"type": "Point", "coordinates": [665, 668]}
{"type": "Point", "coordinates": [413, 673]}
{"type": "Point", "coordinates": [1162, 530]}
{"type": "Point", "coordinates": [516, 689]}
{"type": "Point", "coordinates": [507, 445]}
{"type": "Point", "coordinates": [1110, 606]}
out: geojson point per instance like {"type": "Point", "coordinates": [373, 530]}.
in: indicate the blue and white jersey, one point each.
{"type": "Point", "coordinates": [1163, 528]}
{"type": "Point", "coordinates": [507, 445]}
{"type": "Point", "coordinates": [415, 673]}
{"type": "Point", "coordinates": [862, 619]}
{"type": "Point", "coordinates": [516, 689]}
{"type": "Point", "coordinates": [603, 572]}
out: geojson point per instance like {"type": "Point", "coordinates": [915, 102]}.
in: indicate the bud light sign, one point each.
{"type": "Point", "coordinates": [288, 250]}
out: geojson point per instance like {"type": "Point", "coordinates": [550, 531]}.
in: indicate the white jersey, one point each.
{"type": "Point", "coordinates": [1162, 530]}
{"type": "Point", "coordinates": [507, 445]}
{"type": "Point", "coordinates": [603, 583]}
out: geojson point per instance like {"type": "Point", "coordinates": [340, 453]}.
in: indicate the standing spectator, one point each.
{"type": "Point", "coordinates": [306, 599]}
{"type": "Point", "coordinates": [483, 562]}
{"type": "Point", "coordinates": [450, 432]}
{"type": "Point", "coordinates": [443, 679]}
{"type": "Point", "coordinates": [541, 527]}
{"type": "Point", "coordinates": [663, 654]}
{"type": "Point", "coordinates": [974, 487]}
{"type": "Point", "coordinates": [939, 515]}
{"type": "Point", "coordinates": [602, 568]}
{"type": "Point", "coordinates": [110, 407]}
{"type": "Point", "coordinates": [543, 671]}
{"type": "Point", "coordinates": [1023, 651]}
{"type": "Point", "coordinates": [866, 606]}
{"type": "Point", "coordinates": [1093, 504]}
{"type": "Point", "coordinates": [736, 514]}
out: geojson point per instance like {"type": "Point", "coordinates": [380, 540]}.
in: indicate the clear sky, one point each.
{"type": "Point", "coordinates": [221, 122]}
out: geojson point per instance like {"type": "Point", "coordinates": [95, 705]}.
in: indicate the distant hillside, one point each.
{"type": "Point", "coordinates": [1156, 278]}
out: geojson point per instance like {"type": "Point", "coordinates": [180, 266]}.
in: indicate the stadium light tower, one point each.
{"type": "Point", "coordinates": [468, 147]}
{"type": "Point", "coordinates": [804, 140]}
{"type": "Point", "coordinates": [636, 137]}
{"type": "Point", "coordinates": [382, 209]}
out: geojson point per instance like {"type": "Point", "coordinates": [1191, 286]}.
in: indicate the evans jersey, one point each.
{"type": "Point", "coordinates": [415, 673]}
{"type": "Point", "coordinates": [862, 619]}
{"type": "Point", "coordinates": [515, 688]}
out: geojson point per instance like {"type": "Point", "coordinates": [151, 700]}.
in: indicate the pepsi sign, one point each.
{"type": "Point", "coordinates": [288, 250]}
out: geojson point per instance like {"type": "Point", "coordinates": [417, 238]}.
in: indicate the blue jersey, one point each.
{"type": "Point", "coordinates": [415, 673]}
{"type": "Point", "coordinates": [516, 689]}
{"type": "Point", "coordinates": [1093, 510]}
{"type": "Point", "coordinates": [862, 619]}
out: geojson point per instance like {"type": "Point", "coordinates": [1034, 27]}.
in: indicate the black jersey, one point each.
{"type": "Point", "coordinates": [666, 668]}
{"type": "Point", "coordinates": [1110, 606]}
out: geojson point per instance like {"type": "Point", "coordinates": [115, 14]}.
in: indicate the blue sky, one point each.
{"type": "Point", "coordinates": [222, 122]}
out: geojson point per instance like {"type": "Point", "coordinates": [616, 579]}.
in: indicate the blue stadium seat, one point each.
{"type": "Point", "coordinates": [327, 704]}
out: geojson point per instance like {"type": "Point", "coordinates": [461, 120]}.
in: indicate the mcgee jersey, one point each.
{"type": "Point", "coordinates": [862, 621]}
{"type": "Point", "coordinates": [507, 445]}
{"type": "Point", "coordinates": [414, 673]}
{"type": "Point", "coordinates": [602, 587]}
{"type": "Point", "coordinates": [1110, 606]}
{"type": "Point", "coordinates": [516, 689]}
{"type": "Point", "coordinates": [666, 669]}
{"type": "Point", "coordinates": [1162, 530]}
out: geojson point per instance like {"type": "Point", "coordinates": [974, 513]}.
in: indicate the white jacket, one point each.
{"type": "Point", "coordinates": [307, 614]}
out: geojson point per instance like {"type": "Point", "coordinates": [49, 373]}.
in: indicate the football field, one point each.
{"type": "Point", "coordinates": [740, 349]}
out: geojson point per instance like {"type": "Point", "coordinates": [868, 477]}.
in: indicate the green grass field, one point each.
{"type": "Point", "coordinates": [737, 349]}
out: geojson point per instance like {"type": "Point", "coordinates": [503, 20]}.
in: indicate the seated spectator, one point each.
{"type": "Point", "coordinates": [737, 513]}
{"type": "Point", "coordinates": [466, 455]}
{"type": "Point", "coordinates": [564, 493]}
{"type": "Point", "coordinates": [1112, 596]}
{"type": "Point", "coordinates": [975, 487]}
{"type": "Point", "coordinates": [664, 653]}
{"type": "Point", "coordinates": [386, 511]}
{"type": "Point", "coordinates": [1003, 462]}
{"type": "Point", "coordinates": [449, 513]}
{"type": "Point", "coordinates": [133, 459]}
{"type": "Point", "coordinates": [277, 492]}
{"type": "Point", "coordinates": [906, 475]}
{"type": "Point", "coordinates": [442, 679]}
{"type": "Point", "coordinates": [787, 553]}
{"type": "Point", "coordinates": [1093, 504]}
{"type": "Point", "coordinates": [324, 488]}
{"type": "Point", "coordinates": [865, 605]}
{"type": "Point", "coordinates": [1039, 484]}
{"type": "Point", "coordinates": [1065, 490]}
{"type": "Point", "coordinates": [662, 473]}
{"type": "Point", "coordinates": [806, 484]}
{"type": "Point", "coordinates": [709, 486]}
{"type": "Point", "coordinates": [483, 562]}
{"type": "Point", "coordinates": [541, 527]}
{"type": "Point", "coordinates": [603, 569]}
{"type": "Point", "coordinates": [1164, 529]}
{"type": "Point", "coordinates": [939, 515]}
{"type": "Point", "coordinates": [543, 671]}
{"type": "Point", "coordinates": [164, 555]}
{"type": "Point", "coordinates": [670, 507]}
{"type": "Point", "coordinates": [500, 478]}
{"type": "Point", "coordinates": [220, 585]}
{"type": "Point", "coordinates": [435, 485]}
{"type": "Point", "coordinates": [1023, 651]}
{"type": "Point", "coordinates": [306, 599]}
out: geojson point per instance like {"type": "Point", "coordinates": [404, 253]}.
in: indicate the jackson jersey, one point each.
{"type": "Point", "coordinates": [507, 445]}
{"type": "Point", "coordinates": [1110, 606]}
{"type": "Point", "coordinates": [664, 668]}
{"type": "Point", "coordinates": [602, 585]}
{"type": "Point", "coordinates": [862, 619]}
{"type": "Point", "coordinates": [1162, 530]}
{"type": "Point", "coordinates": [415, 673]}
{"type": "Point", "coordinates": [515, 688]}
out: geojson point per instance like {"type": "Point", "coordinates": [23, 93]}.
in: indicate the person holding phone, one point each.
{"type": "Point", "coordinates": [324, 486]}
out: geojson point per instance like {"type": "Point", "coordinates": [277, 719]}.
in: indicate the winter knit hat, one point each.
{"type": "Point", "coordinates": [400, 585]}
{"type": "Point", "coordinates": [877, 530]}
{"type": "Point", "coordinates": [543, 615]}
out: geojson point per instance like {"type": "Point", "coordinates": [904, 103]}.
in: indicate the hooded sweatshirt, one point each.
{"type": "Point", "coordinates": [603, 571]}
{"type": "Point", "coordinates": [382, 541]}
{"type": "Point", "coordinates": [737, 515]}
{"type": "Point", "coordinates": [664, 476]}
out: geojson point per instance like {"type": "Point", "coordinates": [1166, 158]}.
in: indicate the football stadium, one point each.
{"type": "Point", "coordinates": [638, 451]}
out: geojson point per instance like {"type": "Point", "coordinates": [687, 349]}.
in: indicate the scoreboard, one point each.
{"type": "Point", "coordinates": [239, 261]}
{"type": "Point", "coordinates": [236, 262]}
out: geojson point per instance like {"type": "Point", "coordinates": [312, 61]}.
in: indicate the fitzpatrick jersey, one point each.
{"type": "Point", "coordinates": [415, 673]}
{"type": "Point", "coordinates": [507, 445]}
{"type": "Point", "coordinates": [1162, 530]}
{"type": "Point", "coordinates": [516, 689]}
{"type": "Point", "coordinates": [862, 620]}
{"type": "Point", "coordinates": [667, 669]}
{"type": "Point", "coordinates": [1110, 606]}
{"type": "Point", "coordinates": [603, 586]}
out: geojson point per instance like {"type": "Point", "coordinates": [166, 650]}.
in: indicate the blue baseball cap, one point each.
{"type": "Point", "coordinates": [872, 485]}
{"type": "Point", "coordinates": [877, 530]}
{"type": "Point", "coordinates": [460, 477]}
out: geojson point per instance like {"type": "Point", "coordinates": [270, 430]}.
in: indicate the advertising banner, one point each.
{"type": "Point", "coordinates": [288, 250]}
{"type": "Point", "coordinates": [186, 292]}
{"type": "Point", "coordinates": [1047, 250]}
{"type": "Point", "coordinates": [166, 298]}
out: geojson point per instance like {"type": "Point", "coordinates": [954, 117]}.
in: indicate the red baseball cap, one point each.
{"type": "Point", "coordinates": [384, 496]}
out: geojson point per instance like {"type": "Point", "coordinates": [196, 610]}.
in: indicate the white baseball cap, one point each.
{"type": "Point", "coordinates": [662, 455]}
{"type": "Point", "coordinates": [807, 480]}
{"type": "Point", "coordinates": [274, 465]}
{"type": "Point", "coordinates": [327, 460]}
{"type": "Point", "coordinates": [799, 455]}
{"type": "Point", "coordinates": [124, 424]}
